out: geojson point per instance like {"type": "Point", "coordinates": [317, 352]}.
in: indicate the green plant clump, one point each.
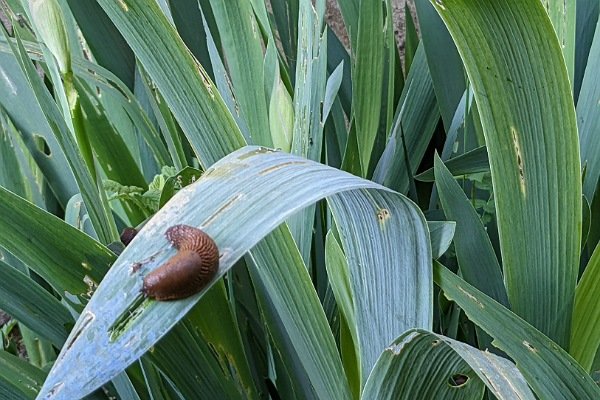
{"type": "Point", "coordinates": [415, 224]}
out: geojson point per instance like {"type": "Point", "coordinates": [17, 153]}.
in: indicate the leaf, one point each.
{"type": "Point", "coordinates": [106, 43]}
{"type": "Point", "coordinates": [18, 100]}
{"type": "Point", "coordinates": [416, 116]}
{"type": "Point", "coordinates": [32, 305]}
{"type": "Point", "coordinates": [339, 280]}
{"type": "Point", "coordinates": [387, 247]}
{"type": "Point", "coordinates": [367, 77]}
{"type": "Point", "coordinates": [100, 216]}
{"type": "Point", "coordinates": [474, 252]}
{"type": "Point", "coordinates": [241, 45]}
{"type": "Point", "coordinates": [192, 97]}
{"type": "Point", "coordinates": [448, 76]}
{"type": "Point", "coordinates": [309, 94]}
{"type": "Point", "coordinates": [471, 162]}
{"type": "Point", "coordinates": [562, 14]}
{"type": "Point", "coordinates": [588, 119]}
{"type": "Point", "coordinates": [202, 354]}
{"type": "Point", "coordinates": [421, 364]}
{"type": "Point", "coordinates": [69, 262]}
{"type": "Point", "coordinates": [281, 109]}
{"type": "Point", "coordinates": [585, 336]}
{"type": "Point", "coordinates": [537, 188]}
{"type": "Point", "coordinates": [48, 20]}
{"type": "Point", "coordinates": [586, 19]}
{"type": "Point", "coordinates": [548, 369]}
{"type": "Point", "coordinates": [18, 379]}
{"type": "Point", "coordinates": [331, 90]}
{"type": "Point", "coordinates": [441, 233]}
{"type": "Point", "coordinates": [229, 213]}
{"type": "Point", "coordinates": [411, 38]}
{"type": "Point", "coordinates": [296, 319]}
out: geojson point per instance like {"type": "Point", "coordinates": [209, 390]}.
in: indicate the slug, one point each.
{"type": "Point", "coordinates": [188, 271]}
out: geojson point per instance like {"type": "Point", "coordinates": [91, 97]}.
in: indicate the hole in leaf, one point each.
{"type": "Point", "coordinates": [457, 380]}
{"type": "Point", "coordinates": [42, 145]}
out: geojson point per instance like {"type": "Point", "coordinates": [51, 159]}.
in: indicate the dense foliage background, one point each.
{"type": "Point", "coordinates": [416, 225]}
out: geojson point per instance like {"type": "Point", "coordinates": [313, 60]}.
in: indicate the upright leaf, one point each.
{"type": "Point", "coordinates": [242, 46]}
{"type": "Point", "coordinates": [367, 77]}
{"type": "Point", "coordinates": [524, 98]}
{"type": "Point", "coordinates": [192, 97]}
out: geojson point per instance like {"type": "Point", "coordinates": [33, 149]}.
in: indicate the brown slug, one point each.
{"type": "Point", "coordinates": [188, 271]}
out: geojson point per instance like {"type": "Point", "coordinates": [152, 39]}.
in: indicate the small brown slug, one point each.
{"type": "Point", "coordinates": [188, 271]}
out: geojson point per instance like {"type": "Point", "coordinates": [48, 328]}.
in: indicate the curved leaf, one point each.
{"type": "Point", "coordinates": [523, 94]}
{"type": "Point", "coordinates": [389, 263]}
{"type": "Point", "coordinates": [232, 193]}
{"type": "Point", "coordinates": [421, 364]}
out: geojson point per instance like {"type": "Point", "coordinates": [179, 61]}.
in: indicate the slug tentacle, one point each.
{"type": "Point", "coordinates": [188, 271]}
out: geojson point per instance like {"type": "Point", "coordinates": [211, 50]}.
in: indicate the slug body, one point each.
{"type": "Point", "coordinates": [188, 271]}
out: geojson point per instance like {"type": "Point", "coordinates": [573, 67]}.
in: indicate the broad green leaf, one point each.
{"type": "Point", "coordinates": [18, 379]}
{"type": "Point", "coordinates": [70, 261]}
{"type": "Point", "coordinates": [164, 119]}
{"type": "Point", "coordinates": [32, 305]}
{"type": "Point", "coordinates": [420, 364]}
{"type": "Point", "coordinates": [585, 336]}
{"type": "Point", "coordinates": [336, 54]}
{"type": "Point", "coordinates": [588, 119]}
{"type": "Point", "coordinates": [367, 77]}
{"type": "Point", "coordinates": [471, 162]}
{"type": "Point", "coordinates": [110, 150]}
{"type": "Point", "coordinates": [192, 97]}
{"type": "Point", "coordinates": [229, 213]}
{"type": "Point", "coordinates": [127, 105]}
{"type": "Point", "coordinates": [241, 44]}
{"type": "Point", "coordinates": [531, 136]}
{"type": "Point", "coordinates": [350, 13]}
{"type": "Point", "coordinates": [474, 252]}
{"type": "Point", "coordinates": [281, 109]}
{"type": "Point", "coordinates": [389, 267]}
{"type": "Point", "coordinates": [547, 368]}
{"type": "Point", "coordinates": [11, 175]}
{"type": "Point", "coordinates": [339, 278]}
